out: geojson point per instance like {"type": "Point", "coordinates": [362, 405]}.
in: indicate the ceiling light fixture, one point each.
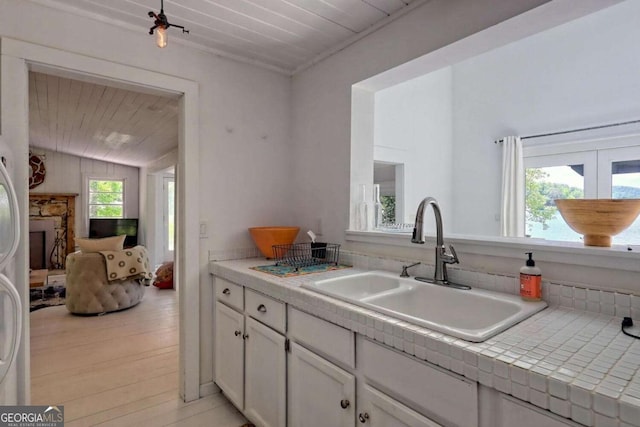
{"type": "Point", "coordinates": [161, 25]}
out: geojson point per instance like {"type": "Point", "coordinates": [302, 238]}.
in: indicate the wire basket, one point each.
{"type": "Point", "coordinates": [306, 254]}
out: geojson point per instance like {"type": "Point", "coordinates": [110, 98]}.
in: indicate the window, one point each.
{"type": "Point", "coordinates": [106, 198]}
{"type": "Point", "coordinates": [576, 171]}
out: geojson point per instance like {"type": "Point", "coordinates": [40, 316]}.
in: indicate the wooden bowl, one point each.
{"type": "Point", "coordinates": [598, 219]}
{"type": "Point", "coordinates": [266, 237]}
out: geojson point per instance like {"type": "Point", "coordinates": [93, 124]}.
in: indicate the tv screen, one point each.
{"type": "Point", "coordinates": [107, 227]}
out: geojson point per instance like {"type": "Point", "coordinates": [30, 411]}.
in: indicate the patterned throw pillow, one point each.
{"type": "Point", "coordinates": [164, 276]}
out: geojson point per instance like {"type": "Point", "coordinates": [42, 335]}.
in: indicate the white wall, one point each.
{"type": "Point", "coordinates": [321, 108]}
{"type": "Point", "coordinates": [67, 174]}
{"type": "Point", "coordinates": [415, 119]}
{"type": "Point", "coordinates": [244, 128]}
{"type": "Point", "coordinates": [581, 74]}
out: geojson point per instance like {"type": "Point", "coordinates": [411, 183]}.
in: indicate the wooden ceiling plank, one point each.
{"type": "Point", "coordinates": [103, 111]}
{"type": "Point", "coordinates": [292, 11]}
{"type": "Point", "coordinates": [34, 112]}
{"type": "Point", "coordinates": [214, 13]}
{"type": "Point", "coordinates": [106, 124]}
{"type": "Point", "coordinates": [63, 110]}
{"type": "Point", "coordinates": [388, 6]}
{"type": "Point", "coordinates": [306, 34]}
{"type": "Point", "coordinates": [75, 91]}
{"type": "Point", "coordinates": [244, 34]}
{"type": "Point", "coordinates": [354, 15]}
{"type": "Point", "coordinates": [52, 106]}
{"type": "Point", "coordinates": [76, 143]}
{"type": "Point", "coordinates": [104, 98]}
{"type": "Point", "coordinates": [90, 114]}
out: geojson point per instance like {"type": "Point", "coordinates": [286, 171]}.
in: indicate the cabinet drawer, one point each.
{"type": "Point", "coordinates": [229, 293]}
{"type": "Point", "coordinates": [447, 398]}
{"type": "Point", "coordinates": [332, 341]}
{"type": "Point", "coordinates": [266, 310]}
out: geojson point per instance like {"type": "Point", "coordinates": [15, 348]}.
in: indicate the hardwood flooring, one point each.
{"type": "Point", "coordinates": [120, 369]}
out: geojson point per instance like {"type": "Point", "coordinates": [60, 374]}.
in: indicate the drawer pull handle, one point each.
{"type": "Point", "coordinates": [245, 337]}
{"type": "Point", "coordinates": [226, 291]}
{"type": "Point", "coordinates": [344, 403]}
{"type": "Point", "coordinates": [262, 308]}
{"type": "Point", "coordinates": [237, 333]}
{"type": "Point", "coordinates": [363, 417]}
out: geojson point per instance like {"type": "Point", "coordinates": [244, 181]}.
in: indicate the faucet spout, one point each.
{"type": "Point", "coordinates": [442, 256]}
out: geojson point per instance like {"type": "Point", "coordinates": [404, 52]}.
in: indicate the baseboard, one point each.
{"type": "Point", "coordinates": [208, 389]}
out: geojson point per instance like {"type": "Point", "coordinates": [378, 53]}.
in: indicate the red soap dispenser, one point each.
{"type": "Point", "coordinates": [530, 280]}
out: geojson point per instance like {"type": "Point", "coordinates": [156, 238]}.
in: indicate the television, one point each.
{"type": "Point", "coordinates": [107, 227]}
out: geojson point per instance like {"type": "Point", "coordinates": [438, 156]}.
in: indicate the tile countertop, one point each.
{"type": "Point", "coordinates": [574, 363]}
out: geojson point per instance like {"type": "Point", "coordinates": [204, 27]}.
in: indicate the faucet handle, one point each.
{"type": "Point", "coordinates": [454, 255]}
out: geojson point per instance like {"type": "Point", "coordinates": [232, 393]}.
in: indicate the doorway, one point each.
{"type": "Point", "coordinates": [18, 58]}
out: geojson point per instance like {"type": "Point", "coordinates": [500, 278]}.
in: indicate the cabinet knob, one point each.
{"type": "Point", "coordinates": [363, 417]}
{"type": "Point", "coordinates": [245, 337]}
{"type": "Point", "coordinates": [262, 308]}
{"type": "Point", "coordinates": [344, 403]}
{"type": "Point", "coordinates": [237, 333]}
{"type": "Point", "coordinates": [226, 291]}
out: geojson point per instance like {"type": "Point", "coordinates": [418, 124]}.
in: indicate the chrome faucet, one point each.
{"type": "Point", "coordinates": [442, 257]}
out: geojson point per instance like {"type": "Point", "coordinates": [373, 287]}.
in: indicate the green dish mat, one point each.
{"type": "Point", "coordinates": [287, 271]}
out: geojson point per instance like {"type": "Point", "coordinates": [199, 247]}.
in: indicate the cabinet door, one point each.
{"type": "Point", "coordinates": [320, 393]}
{"type": "Point", "coordinates": [379, 410]}
{"type": "Point", "coordinates": [229, 353]}
{"type": "Point", "coordinates": [265, 373]}
{"type": "Point", "coordinates": [525, 415]}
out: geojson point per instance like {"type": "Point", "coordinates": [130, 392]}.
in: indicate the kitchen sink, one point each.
{"type": "Point", "coordinates": [357, 286]}
{"type": "Point", "coordinates": [472, 315]}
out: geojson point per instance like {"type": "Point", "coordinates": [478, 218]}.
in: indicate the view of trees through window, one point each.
{"type": "Point", "coordinates": [545, 184]}
{"type": "Point", "coordinates": [106, 198]}
{"type": "Point", "coordinates": [388, 209]}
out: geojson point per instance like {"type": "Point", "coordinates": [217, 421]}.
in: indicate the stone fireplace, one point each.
{"type": "Point", "coordinates": [51, 229]}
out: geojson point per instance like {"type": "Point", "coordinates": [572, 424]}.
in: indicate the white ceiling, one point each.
{"type": "Point", "coordinates": [94, 120]}
{"type": "Point", "coordinates": [286, 35]}
{"type": "Point", "coordinates": [89, 119]}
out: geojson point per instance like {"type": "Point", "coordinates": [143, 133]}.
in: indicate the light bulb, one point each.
{"type": "Point", "coordinates": [161, 37]}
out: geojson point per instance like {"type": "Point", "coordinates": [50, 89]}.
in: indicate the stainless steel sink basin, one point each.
{"type": "Point", "coordinates": [473, 315]}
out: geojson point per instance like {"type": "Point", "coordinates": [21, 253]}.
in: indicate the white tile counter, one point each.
{"type": "Point", "coordinates": [577, 364]}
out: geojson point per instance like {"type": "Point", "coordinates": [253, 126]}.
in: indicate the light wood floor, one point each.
{"type": "Point", "coordinates": [120, 369]}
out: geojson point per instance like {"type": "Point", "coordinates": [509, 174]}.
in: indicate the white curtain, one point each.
{"type": "Point", "coordinates": [513, 190]}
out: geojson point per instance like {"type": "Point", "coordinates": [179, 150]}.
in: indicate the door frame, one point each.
{"type": "Point", "coordinates": [18, 57]}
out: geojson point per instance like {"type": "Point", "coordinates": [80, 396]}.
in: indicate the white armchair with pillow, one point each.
{"type": "Point", "coordinates": [89, 290]}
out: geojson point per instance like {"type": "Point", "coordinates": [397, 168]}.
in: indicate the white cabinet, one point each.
{"type": "Point", "coordinates": [379, 410]}
{"type": "Point", "coordinates": [320, 393]}
{"type": "Point", "coordinates": [229, 353]}
{"type": "Point", "coordinates": [250, 358]}
{"type": "Point", "coordinates": [516, 413]}
{"type": "Point", "coordinates": [265, 375]}
{"type": "Point", "coordinates": [429, 389]}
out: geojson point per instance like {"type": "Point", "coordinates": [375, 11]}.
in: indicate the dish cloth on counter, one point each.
{"type": "Point", "coordinates": [287, 271]}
